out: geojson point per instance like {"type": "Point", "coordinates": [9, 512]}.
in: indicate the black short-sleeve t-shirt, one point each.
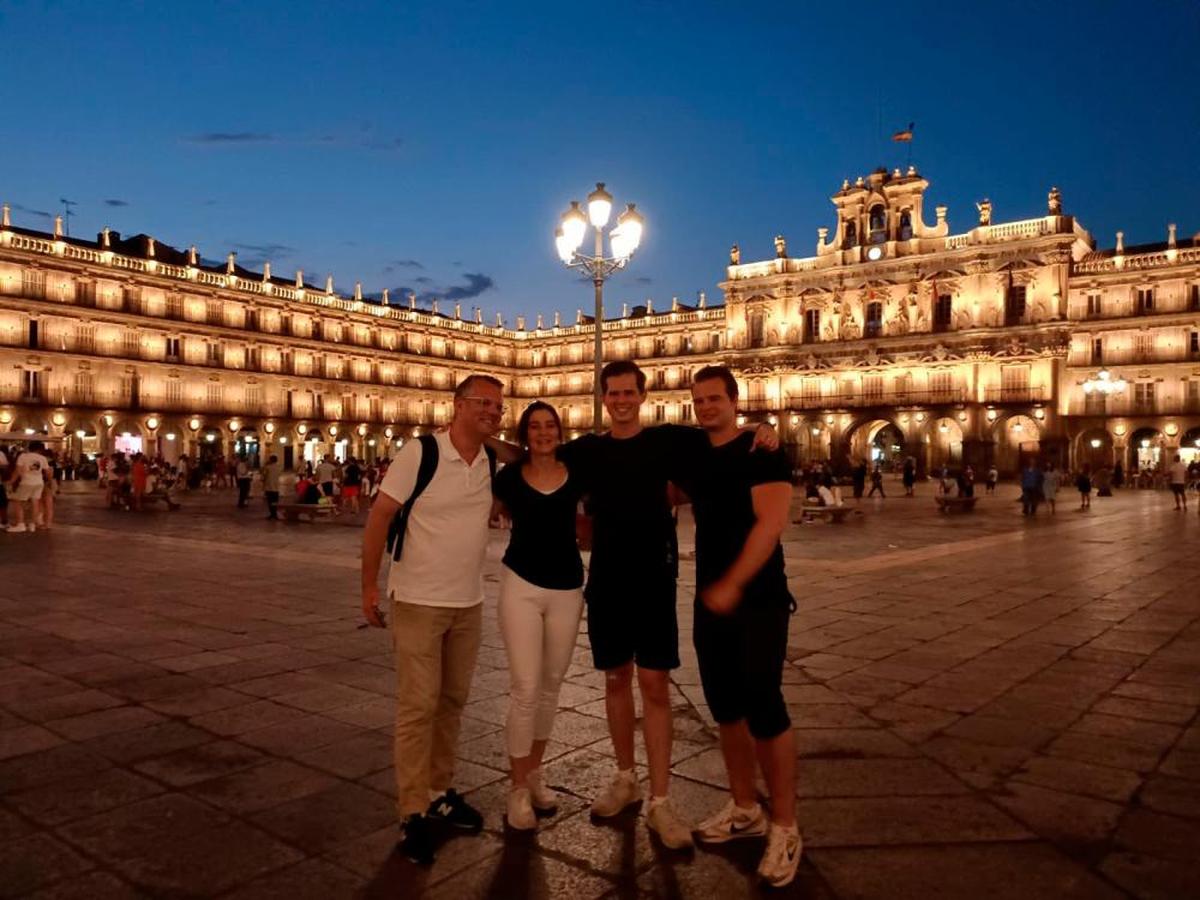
{"type": "Point", "coordinates": [542, 548]}
{"type": "Point", "coordinates": [720, 488]}
{"type": "Point", "coordinates": [625, 479]}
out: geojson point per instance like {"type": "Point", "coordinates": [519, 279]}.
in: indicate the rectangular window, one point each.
{"type": "Point", "coordinates": [812, 326]}
{"type": "Point", "coordinates": [131, 299]}
{"type": "Point", "coordinates": [33, 284]}
{"type": "Point", "coordinates": [172, 349]}
{"type": "Point", "coordinates": [33, 334]}
{"type": "Point", "coordinates": [1097, 350]}
{"type": "Point", "coordinates": [685, 412]}
{"type": "Point", "coordinates": [132, 343]}
{"type": "Point", "coordinates": [174, 393]}
{"type": "Point", "coordinates": [1014, 383]}
{"type": "Point", "coordinates": [83, 388]}
{"type": "Point", "coordinates": [943, 312]}
{"type": "Point", "coordinates": [1143, 348]}
{"type": "Point", "coordinates": [215, 396]}
{"type": "Point", "coordinates": [85, 293]}
{"type": "Point", "coordinates": [1194, 343]}
{"type": "Point", "coordinates": [811, 392]}
{"type": "Point", "coordinates": [718, 340]}
{"type": "Point", "coordinates": [213, 354]}
{"type": "Point", "coordinates": [1144, 302]}
{"type": "Point", "coordinates": [873, 388]}
{"type": "Point", "coordinates": [215, 312]}
{"type": "Point", "coordinates": [874, 322]}
{"type": "Point", "coordinates": [1194, 298]}
{"type": "Point", "coordinates": [660, 413]}
{"type": "Point", "coordinates": [756, 329]}
{"type": "Point", "coordinates": [685, 344]}
{"type": "Point", "coordinates": [251, 321]}
{"type": "Point", "coordinates": [1014, 304]}
{"type": "Point", "coordinates": [1094, 309]}
{"type": "Point", "coordinates": [253, 358]}
{"type": "Point", "coordinates": [903, 386]}
{"type": "Point", "coordinates": [253, 397]}
{"type": "Point", "coordinates": [941, 385]}
{"type": "Point", "coordinates": [174, 306]}
{"type": "Point", "coordinates": [376, 409]}
{"type": "Point", "coordinates": [660, 346]}
{"type": "Point", "coordinates": [31, 385]}
{"type": "Point", "coordinates": [1193, 395]}
{"type": "Point", "coordinates": [1143, 397]}
{"type": "Point", "coordinates": [660, 378]}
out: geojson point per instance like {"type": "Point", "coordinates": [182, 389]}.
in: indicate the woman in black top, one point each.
{"type": "Point", "coordinates": [541, 600]}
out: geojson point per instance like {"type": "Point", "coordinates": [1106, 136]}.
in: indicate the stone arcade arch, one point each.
{"type": "Point", "coordinates": [1093, 449]}
{"type": "Point", "coordinates": [876, 440]}
{"type": "Point", "coordinates": [1017, 438]}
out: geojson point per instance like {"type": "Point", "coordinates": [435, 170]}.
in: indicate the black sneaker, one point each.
{"type": "Point", "coordinates": [417, 843]}
{"type": "Point", "coordinates": [456, 812]}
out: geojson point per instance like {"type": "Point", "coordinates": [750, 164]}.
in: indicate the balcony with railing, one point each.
{"type": "Point", "coordinates": [1016, 394]}
{"type": "Point", "coordinates": [881, 399]}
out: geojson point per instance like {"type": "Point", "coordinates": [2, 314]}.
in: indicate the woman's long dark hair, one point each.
{"type": "Point", "coordinates": [523, 423]}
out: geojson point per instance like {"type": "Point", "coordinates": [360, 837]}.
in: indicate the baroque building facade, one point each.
{"type": "Point", "coordinates": [897, 338]}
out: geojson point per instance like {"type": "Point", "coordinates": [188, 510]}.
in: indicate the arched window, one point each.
{"type": "Point", "coordinates": [877, 224]}
{"type": "Point", "coordinates": [906, 231]}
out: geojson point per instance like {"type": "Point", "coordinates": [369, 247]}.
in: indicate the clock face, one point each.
{"type": "Point", "coordinates": [874, 253]}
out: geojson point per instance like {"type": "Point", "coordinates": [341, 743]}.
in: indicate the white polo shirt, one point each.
{"type": "Point", "coordinates": [447, 537]}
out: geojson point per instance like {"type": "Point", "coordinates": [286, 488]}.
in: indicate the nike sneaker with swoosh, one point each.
{"type": "Point", "coordinates": [782, 858]}
{"type": "Point", "coordinates": [732, 823]}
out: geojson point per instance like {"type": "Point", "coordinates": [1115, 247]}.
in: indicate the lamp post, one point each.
{"type": "Point", "coordinates": [623, 242]}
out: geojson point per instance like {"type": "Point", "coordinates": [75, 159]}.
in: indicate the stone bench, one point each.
{"type": "Point", "coordinates": [160, 494]}
{"type": "Point", "coordinates": [293, 511]}
{"type": "Point", "coordinates": [834, 515]}
{"type": "Point", "coordinates": [955, 504]}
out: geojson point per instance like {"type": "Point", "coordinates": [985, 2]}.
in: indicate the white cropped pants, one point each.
{"type": "Point", "coordinates": [539, 627]}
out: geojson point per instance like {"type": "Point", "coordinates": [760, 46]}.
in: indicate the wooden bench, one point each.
{"type": "Point", "coordinates": [955, 504]}
{"type": "Point", "coordinates": [834, 515]}
{"type": "Point", "coordinates": [293, 511]}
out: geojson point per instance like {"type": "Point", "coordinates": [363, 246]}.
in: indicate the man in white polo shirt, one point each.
{"type": "Point", "coordinates": [435, 589]}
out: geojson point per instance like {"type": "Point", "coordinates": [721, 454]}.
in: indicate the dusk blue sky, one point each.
{"type": "Point", "coordinates": [433, 146]}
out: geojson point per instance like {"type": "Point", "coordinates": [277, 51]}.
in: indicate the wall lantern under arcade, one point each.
{"type": "Point", "coordinates": [1096, 443]}
{"type": "Point", "coordinates": [991, 415]}
{"type": "Point", "coordinates": [387, 432]}
{"type": "Point", "coordinates": [81, 434]}
{"type": "Point", "coordinates": [301, 429]}
{"type": "Point", "coordinates": [1171, 429]}
{"type": "Point", "coordinates": [1119, 430]}
{"type": "Point", "coordinates": [235, 426]}
{"type": "Point", "coordinates": [108, 420]}
{"type": "Point", "coordinates": [194, 423]}
{"type": "Point", "coordinates": [1039, 413]}
{"type": "Point", "coordinates": [170, 435]}
{"type": "Point", "coordinates": [5, 417]}
{"type": "Point", "coordinates": [333, 430]}
{"type": "Point", "coordinates": [269, 427]}
{"type": "Point", "coordinates": [152, 423]}
{"type": "Point", "coordinates": [58, 419]}
{"type": "Point", "coordinates": [362, 430]}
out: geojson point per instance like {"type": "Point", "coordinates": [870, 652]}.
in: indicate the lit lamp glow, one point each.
{"type": "Point", "coordinates": [1104, 383]}
{"type": "Point", "coordinates": [170, 435]}
{"type": "Point", "coordinates": [81, 433]}
{"type": "Point", "coordinates": [1096, 443]}
{"type": "Point", "coordinates": [58, 419]}
{"type": "Point", "coordinates": [194, 424]}
{"type": "Point", "coordinates": [333, 430]}
{"type": "Point", "coordinates": [152, 422]}
{"type": "Point", "coordinates": [269, 427]}
{"type": "Point", "coordinates": [235, 426]}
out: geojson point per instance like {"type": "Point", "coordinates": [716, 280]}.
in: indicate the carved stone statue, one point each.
{"type": "Point", "coordinates": [985, 211]}
{"type": "Point", "coordinates": [827, 333]}
{"type": "Point", "coordinates": [1054, 202]}
{"type": "Point", "coordinates": [735, 255]}
{"type": "Point", "coordinates": [780, 247]}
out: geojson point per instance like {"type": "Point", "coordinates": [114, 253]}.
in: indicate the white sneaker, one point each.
{"type": "Point", "coordinates": [621, 793]}
{"type": "Point", "coordinates": [544, 799]}
{"type": "Point", "coordinates": [782, 858]}
{"type": "Point", "coordinates": [666, 824]}
{"type": "Point", "coordinates": [16, 528]}
{"type": "Point", "coordinates": [732, 823]}
{"type": "Point", "coordinates": [520, 810]}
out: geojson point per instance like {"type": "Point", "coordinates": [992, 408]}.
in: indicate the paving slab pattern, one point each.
{"type": "Point", "coordinates": [985, 707]}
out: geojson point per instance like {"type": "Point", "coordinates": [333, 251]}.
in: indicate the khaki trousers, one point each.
{"type": "Point", "coordinates": [436, 648]}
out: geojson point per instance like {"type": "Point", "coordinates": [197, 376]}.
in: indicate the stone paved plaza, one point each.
{"type": "Point", "coordinates": [986, 707]}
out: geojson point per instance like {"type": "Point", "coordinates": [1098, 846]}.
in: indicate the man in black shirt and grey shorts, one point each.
{"type": "Point", "coordinates": [741, 502]}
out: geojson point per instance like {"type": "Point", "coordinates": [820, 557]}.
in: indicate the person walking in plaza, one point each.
{"type": "Point", "coordinates": [876, 482]}
{"type": "Point", "coordinates": [441, 489]}
{"type": "Point", "coordinates": [859, 479]}
{"type": "Point", "coordinates": [1083, 484]}
{"type": "Point", "coordinates": [909, 476]}
{"type": "Point", "coordinates": [541, 601]}
{"type": "Point", "coordinates": [27, 483]}
{"type": "Point", "coordinates": [325, 473]}
{"type": "Point", "coordinates": [138, 476]}
{"type": "Point", "coordinates": [243, 475]}
{"type": "Point", "coordinates": [1032, 480]}
{"type": "Point", "coordinates": [742, 610]}
{"type": "Point", "coordinates": [993, 476]}
{"type": "Point", "coordinates": [352, 479]}
{"type": "Point", "coordinates": [270, 480]}
{"type": "Point", "coordinates": [1177, 475]}
{"type": "Point", "coordinates": [1050, 482]}
{"type": "Point", "coordinates": [49, 490]}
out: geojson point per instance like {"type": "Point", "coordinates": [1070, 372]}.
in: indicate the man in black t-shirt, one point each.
{"type": "Point", "coordinates": [631, 584]}
{"type": "Point", "coordinates": [741, 502]}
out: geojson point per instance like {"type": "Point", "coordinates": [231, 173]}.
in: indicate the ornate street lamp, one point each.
{"type": "Point", "coordinates": [1104, 383]}
{"type": "Point", "coordinates": [623, 241]}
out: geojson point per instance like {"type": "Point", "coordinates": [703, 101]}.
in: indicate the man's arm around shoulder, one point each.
{"type": "Point", "coordinates": [772, 503]}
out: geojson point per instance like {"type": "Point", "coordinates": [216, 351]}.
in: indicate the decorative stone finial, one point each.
{"type": "Point", "coordinates": [780, 247]}
{"type": "Point", "coordinates": [1120, 242]}
{"type": "Point", "coordinates": [703, 300]}
{"type": "Point", "coordinates": [329, 284]}
{"type": "Point", "coordinates": [412, 301]}
{"type": "Point", "coordinates": [193, 255]}
{"type": "Point", "coordinates": [822, 234]}
{"type": "Point", "coordinates": [557, 319]}
{"type": "Point", "coordinates": [434, 306]}
{"type": "Point", "coordinates": [105, 238]}
{"type": "Point", "coordinates": [912, 171]}
{"type": "Point", "coordinates": [1054, 202]}
{"type": "Point", "coordinates": [499, 320]}
{"type": "Point", "coordinates": [299, 279]}
{"type": "Point", "coordinates": [479, 315]}
{"type": "Point", "coordinates": [5, 217]}
{"type": "Point", "coordinates": [386, 297]}
{"type": "Point", "coordinates": [539, 321]}
{"type": "Point", "coordinates": [150, 247]}
{"type": "Point", "coordinates": [358, 290]}
{"type": "Point", "coordinates": [845, 184]}
{"type": "Point", "coordinates": [940, 211]}
{"type": "Point", "coordinates": [1171, 235]}
{"type": "Point", "coordinates": [735, 255]}
{"type": "Point", "coordinates": [230, 262]}
{"type": "Point", "coordinates": [458, 310]}
{"type": "Point", "coordinates": [624, 310]}
{"type": "Point", "coordinates": [520, 323]}
{"type": "Point", "coordinates": [985, 211]}
{"type": "Point", "coordinates": [266, 271]}
{"type": "Point", "coordinates": [578, 316]}
{"type": "Point", "coordinates": [858, 182]}
{"type": "Point", "coordinates": [675, 304]}
{"type": "Point", "coordinates": [58, 227]}
{"type": "Point", "coordinates": [649, 306]}
{"type": "Point", "coordinates": [896, 172]}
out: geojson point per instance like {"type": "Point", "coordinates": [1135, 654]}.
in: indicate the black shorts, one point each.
{"type": "Point", "coordinates": [327, 488]}
{"type": "Point", "coordinates": [741, 663]}
{"type": "Point", "coordinates": [1179, 489]}
{"type": "Point", "coordinates": [633, 621]}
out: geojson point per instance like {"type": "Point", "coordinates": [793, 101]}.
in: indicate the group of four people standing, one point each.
{"type": "Point", "coordinates": [436, 501]}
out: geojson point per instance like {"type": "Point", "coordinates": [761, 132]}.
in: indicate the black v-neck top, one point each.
{"type": "Point", "coordinates": [542, 549]}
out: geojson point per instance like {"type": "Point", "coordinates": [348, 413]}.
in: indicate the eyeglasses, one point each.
{"type": "Point", "coordinates": [487, 403]}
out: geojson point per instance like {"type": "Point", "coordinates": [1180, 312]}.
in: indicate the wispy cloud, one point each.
{"type": "Point", "coordinates": [366, 138]}
{"type": "Point", "coordinates": [642, 279]}
{"type": "Point", "coordinates": [231, 137]}
{"type": "Point", "coordinates": [115, 202]}
{"type": "Point", "coordinates": [474, 284]}
{"type": "Point", "coordinates": [254, 255]}
{"type": "Point", "coordinates": [41, 213]}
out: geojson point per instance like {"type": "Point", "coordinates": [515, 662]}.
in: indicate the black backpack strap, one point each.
{"type": "Point", "coordinates": [425, 471]}
{"type": "Point", "coordinates": [491, 455]}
